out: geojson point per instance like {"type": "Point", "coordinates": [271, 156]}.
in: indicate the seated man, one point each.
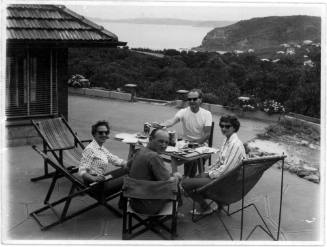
{"type": "Point", "coordinates": [196, 125]}
{"type": "Point", "coordinates": [148, 165]}
{"type": "Point", "coordinates": [96, 160]}
{"type": "Point", "coordinates": [230, 156]}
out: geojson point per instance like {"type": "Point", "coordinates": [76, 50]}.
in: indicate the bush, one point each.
{"type": "Point", "coordinates": [210, 98]}
{"type": "Point", "coordinates": [272, 106]}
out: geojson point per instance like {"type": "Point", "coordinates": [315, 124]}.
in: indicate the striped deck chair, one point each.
{"type": "Point", "coordinates": [234, 186]}
{"type": "Point", "coordinates": [60, 140]}
{"type": "Point", "coordinates": [60, 210]}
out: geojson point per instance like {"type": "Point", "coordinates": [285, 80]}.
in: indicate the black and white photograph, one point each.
{"type": "Point", "coordinates": [163, 123]}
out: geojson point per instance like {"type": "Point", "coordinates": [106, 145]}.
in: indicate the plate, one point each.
{"type": "Point", "coordinates": [141, 136]}
{"type": "Point", "coordinates": [122, 136]}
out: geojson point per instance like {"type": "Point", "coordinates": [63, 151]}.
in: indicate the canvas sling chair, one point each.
{"type": "Point", "coordinates": [142, 189]}
{"type": "Point", "coordinates": [60, 207]}
{"type": "Point", "coordinates": [233, 187]}
{"type": "Point", "coordinates": [59, 139]}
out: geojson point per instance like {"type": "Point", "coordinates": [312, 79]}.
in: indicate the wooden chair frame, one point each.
{"type": "Point", "coordinates": [59, 139]}
{"type": "Point", "coordinates": [78, 188]}
{"type": "Point", "coordinates": [148, 222]}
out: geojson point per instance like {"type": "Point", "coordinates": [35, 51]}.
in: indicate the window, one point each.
{"type": "Point", "coordinates": [31, 83]}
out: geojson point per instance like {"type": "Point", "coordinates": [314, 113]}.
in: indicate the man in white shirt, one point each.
{"type": "Point", "coordinates": [196, 124]}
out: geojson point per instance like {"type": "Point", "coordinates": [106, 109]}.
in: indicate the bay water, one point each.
{"type": "Point", "coordinates": [157, 36]}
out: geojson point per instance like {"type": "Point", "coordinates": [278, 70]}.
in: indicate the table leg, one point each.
{"type": "Point", "coordinates": [201, 165]}
{"type": "Point", "coordinates": [131, 151]}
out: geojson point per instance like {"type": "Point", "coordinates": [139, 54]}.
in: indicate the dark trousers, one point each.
{"type": "Point", "coordinates": [189, 184]}
{"type": "Point", "coordinates": [191, 168]}
{"type": "Point", "coordinates": [113, 185]}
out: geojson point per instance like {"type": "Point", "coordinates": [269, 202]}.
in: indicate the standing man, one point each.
{"type": "Point", "coordinates": [196, 125]}
{"type": "Point", "coordinates": [148, 165]}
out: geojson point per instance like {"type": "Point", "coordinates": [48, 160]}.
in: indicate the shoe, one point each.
{"type": "Point", "coordinates": [206, 212]}
{"type": "Point", "coordinates": [180, 215]}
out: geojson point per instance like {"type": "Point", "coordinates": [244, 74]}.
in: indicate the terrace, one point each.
{"type": "Point", "coordinates": [300, 213]}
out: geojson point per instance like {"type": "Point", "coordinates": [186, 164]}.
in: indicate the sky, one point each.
{"type": "Point", "coordinates": [195, 10]}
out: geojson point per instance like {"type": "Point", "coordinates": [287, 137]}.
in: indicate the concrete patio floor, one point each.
{"type": "Point", "coordinates": [301, 214]}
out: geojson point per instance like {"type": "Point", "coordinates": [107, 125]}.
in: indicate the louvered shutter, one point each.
{"type": "Point", "coordinates": [31, 83]}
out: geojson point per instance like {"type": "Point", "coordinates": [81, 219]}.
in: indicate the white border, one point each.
{"type": "Point", "coordinates": [288, 3]}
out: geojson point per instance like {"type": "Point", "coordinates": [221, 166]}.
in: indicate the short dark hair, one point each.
{"type": "Point", "coordinates": [154, 132]}
{"type": "Point", "coordinates": [196, 90]}
{"type": "Point", "coordinates": [99, 123]}
{"type": "Point", "coordinates": [232, 119]}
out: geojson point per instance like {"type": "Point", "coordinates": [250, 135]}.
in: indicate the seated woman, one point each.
{"type": "Point", "coordinates": [230, 156]}
{"type": "Point", "coordinates": [94, 164]}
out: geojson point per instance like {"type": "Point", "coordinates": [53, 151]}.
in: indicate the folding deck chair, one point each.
{"type": "Point", "coordinates": [233, 187]}
{"type": "Point", "coordinates": [78, 188]}
{"type": "Point", "coordinates": [59, 139]}
{"type": "Point", "coordinates": [142, 189]}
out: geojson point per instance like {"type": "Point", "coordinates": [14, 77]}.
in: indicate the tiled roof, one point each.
{"type": "Point", "coordinates": [53, 23]}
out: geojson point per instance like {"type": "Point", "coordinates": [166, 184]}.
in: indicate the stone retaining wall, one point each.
{"type": "Point", "coordinates": [216, 109]}
{"type": "Point", "coordinates": [259, 115]}
{"type": "Point", "coordinates": [100, 93]}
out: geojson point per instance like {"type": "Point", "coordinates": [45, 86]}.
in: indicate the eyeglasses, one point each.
{"type": "Point", "coordinates": [192, 99]}
{"type": "Point", "coordinates": [226, 126]}
{"type": "Point", "coordinates": [103, 132]}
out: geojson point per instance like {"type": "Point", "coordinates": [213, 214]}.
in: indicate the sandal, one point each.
{"type": "Point", "coordinates": [206, 212]}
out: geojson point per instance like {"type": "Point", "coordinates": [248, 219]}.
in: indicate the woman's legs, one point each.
{"type": "Point", "coordinates": [189, 184]}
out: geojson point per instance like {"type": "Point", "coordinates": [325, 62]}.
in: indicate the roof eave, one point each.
{"type": "Point", "coordinates": [67, 43]}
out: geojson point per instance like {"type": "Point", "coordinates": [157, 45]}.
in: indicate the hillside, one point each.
{"type": "Point", "coordinates": [263, 34]}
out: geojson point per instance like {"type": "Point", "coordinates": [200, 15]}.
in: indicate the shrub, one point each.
{"type": "Point", "coordinates": [210, 98]}
{"type": "Point", "coordinates": [272, 106]}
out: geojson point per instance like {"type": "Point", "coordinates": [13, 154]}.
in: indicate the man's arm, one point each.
{"type": "Point", "coordinates": [170, 122]}
{"type": "Point", "coordinates": [206, 136]}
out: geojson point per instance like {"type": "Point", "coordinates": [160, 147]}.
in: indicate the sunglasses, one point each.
{"type": "Point", "coordinates": [103, 132]}
{"type": "Point", "coordinates": [226, 126]}
{"type": "Point", "coordinates": [192, 99]}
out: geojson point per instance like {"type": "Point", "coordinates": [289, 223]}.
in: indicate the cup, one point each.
{"type": "Point", "coordinates": [172, 138]}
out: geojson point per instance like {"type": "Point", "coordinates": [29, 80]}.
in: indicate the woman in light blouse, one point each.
{"type": "Point", "coordinates": [230, 156]}
{"type": "Point", "coordinates": [96, 160]}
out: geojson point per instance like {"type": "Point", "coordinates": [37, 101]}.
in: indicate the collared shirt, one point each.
{"type": "Point", "coordinates": [95, 160]}
{"type": "Point", "coordinates": [230, 156]}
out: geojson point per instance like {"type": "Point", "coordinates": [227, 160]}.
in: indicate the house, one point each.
{"type": "Point", "coordinates": [290, 51]}
{"type": "Point", "coordinates": [307, 42]}
{"type": "Point", "coordinates": [308, 63]}
{"type": "Point", "coordinates": [285, 45]}
{"type": "Point", "coordinates": [238, 51]}
{"type": "Point", "coordinates": [38, 38]}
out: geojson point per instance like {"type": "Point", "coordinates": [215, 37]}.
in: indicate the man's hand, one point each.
{"type": "Point", "coordinates": [157, 125]}
{"type": "Point", "coordinates": [178, 176]}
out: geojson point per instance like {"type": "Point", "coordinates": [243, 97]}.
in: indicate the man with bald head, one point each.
{"type": "Point", "coordinates": [148, 165]}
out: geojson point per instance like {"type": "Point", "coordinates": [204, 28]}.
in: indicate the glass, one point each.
{"type": "Point", "coordinates": [226, 126]}
{"type": "Point", "coordinates": [103, 132]}
{"type": "Point", "coordinates": [192, 99]}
